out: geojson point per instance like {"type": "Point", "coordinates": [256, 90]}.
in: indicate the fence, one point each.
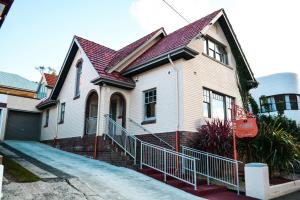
{"type": "Point", "coordinates": [169, 162]}
{"type": "Point", "coordinates": [215, 167]}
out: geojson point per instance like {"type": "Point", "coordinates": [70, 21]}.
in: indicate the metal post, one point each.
{"type": "Point", "coordinates": [207, 169]}
{"type": "Point", "coordinates": [195, 175]}
{"type": "Point", "coordinates": [165, 165]}
{"type": "Point", "coordinates": [125, 144]}
{"type": "Point", "coordinates": [141, 161]}
{"type": "Point", "coordinates": [183, 160]}
{"type": "Point", "coordinates": [237, 177]}
{"type": "Point", "coordinates": [134, 151]}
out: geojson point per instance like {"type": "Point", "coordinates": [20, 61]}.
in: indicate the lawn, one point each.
{"type": "Point", "coordinates": [17, 172]}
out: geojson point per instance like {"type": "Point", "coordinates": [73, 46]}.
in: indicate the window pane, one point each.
{"type": "Point", "coordinates": [218, 57]}
{"type": "Point", "coordinates": [293, 101]}
{"type": "Point", "coordinates": [218, 107]}
{"type": "Point", "coordinates": [211, 45]}
{"type": "Point", "coordinates": [150, 110]}
{"type": "Point", "coordinates": [206, 110]}
{"type": "Point", "coordinates": [287, 102]}
{"type": "Point", "coordinates": [211, 53]}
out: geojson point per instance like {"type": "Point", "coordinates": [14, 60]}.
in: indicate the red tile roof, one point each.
{"type": "Point", "coordinates": [100, 56]}
{"type": "Point", "coordinates": [125, 51]}
{"type": "Point", "coordinates": [172, 41]}
{"type": "Point", "coordinates": [50, 79]}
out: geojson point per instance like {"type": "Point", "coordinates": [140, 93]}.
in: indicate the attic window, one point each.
{"type": "Point", "coordinates": [78, 76]}
{"type": "Point", "coordinates": [216, 51]}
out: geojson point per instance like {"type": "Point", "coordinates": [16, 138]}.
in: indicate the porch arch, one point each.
{"type": "Point", "coordinates": [91, 113]}
{"type": "Point", "coordinates": [117, 108]}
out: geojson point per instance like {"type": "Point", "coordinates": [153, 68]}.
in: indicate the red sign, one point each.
{"type": "Point", "coordinates": [246, 128]}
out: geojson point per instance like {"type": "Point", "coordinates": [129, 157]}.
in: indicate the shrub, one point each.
{"type": "Point", "coordinates": [214, 137]}
{"type": "Point", "coordinates": [273, 145]}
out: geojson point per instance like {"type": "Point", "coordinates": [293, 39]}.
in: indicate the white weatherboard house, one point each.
{"type": "Point", "coordinates": [161, 82]}
{"type": "Point", "coordinates": [280, 87]}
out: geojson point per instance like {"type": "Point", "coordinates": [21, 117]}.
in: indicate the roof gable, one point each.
{"type": "Point", "coordinates": [174, 40]}
{"type": "Point", "coordinates": [100, 56]}
{"type": "Point", "coordinates": [133, 48]}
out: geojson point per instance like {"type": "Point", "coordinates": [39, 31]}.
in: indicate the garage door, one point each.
{"type": "Point", "coordinates": [23, 126]}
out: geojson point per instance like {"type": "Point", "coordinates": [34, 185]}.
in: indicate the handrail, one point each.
{"type": "Point", "coordinates": [169, 162]}
{"type": "Point", "coordinates": [149, 132]}
{"type": "Point", "coordinates": [211, 154]}
{"type": "Point", "coordinates": [212, 166]}
{"type": "Point", "coordinates": [121, 136]}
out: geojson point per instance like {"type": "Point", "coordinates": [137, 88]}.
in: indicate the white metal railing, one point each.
{"type": "Point", "coordinates": [136, 128]}
{"type": "Point", "coordinates": [121, 136]}
{"type": "Point", "coordinates": [212, 166]}
{"type": "Point", "coordinates": [91, 125]}
{"type": "Point", "coordinates": [169, 162]}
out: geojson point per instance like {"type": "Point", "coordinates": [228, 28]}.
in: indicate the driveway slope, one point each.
{"type": "Point", "coordinates": [108, 181]}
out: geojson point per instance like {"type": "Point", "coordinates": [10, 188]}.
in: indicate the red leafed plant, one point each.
{"type": "Point", "coordinates": [214, 137]}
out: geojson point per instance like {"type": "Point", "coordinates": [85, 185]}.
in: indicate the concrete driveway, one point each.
{"type": "Point", "coordinates": [108, 181]}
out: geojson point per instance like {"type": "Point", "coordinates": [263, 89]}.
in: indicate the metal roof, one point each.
{"type": "Point", "coordinates": [15, 81]}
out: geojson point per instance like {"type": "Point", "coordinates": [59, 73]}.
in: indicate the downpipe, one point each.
{"type": "Point", "coordinates": [177, 104]}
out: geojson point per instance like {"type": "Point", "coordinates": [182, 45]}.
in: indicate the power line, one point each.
{"type": "Point", "coordinates": [176, 11]}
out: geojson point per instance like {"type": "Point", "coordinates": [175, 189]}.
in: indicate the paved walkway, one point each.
{"type": "Point", "coordinates": [108, 181]}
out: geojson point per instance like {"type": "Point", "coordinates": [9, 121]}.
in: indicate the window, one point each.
{"type": "Point", "coordinates": [216, 105]}
{"type": "Point", "coordinates": [42, 93]}
{"type": "Point", "coordinates": [206, 103]}
{"type": "Point", "coordinates": [47, 118]}
{"type": "Point", "coordinates": [78, 75]}
{"type": "Point", "coordinates": [216, 51]}
{"type": "Point", "coordinates": [150, 102]}
{"type": "Point", "coordinates": [62, 113]}
{"type": "Point", "coordinates": [278, 102]}
{"type": "Point", "coordinates": [229, 101]}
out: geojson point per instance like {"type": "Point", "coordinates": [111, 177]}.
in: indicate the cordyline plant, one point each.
{"type": "Point", "coordinates": [214, 137]}
{"type": "Point", "coordinates": [273, 145]}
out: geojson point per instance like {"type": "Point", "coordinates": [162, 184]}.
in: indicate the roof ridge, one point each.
{"type": "Point", "coordinates": [142, 37]}
{"type": "Point", "coordinates": [194, 22]}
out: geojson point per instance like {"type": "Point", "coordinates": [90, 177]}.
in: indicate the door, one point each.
{"type": "Point", "coordinates": [23, 126]}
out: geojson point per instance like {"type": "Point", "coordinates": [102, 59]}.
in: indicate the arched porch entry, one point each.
{"type": "Point", "coordinates": [91, 113]}
{"type": "Point", "coordinates": [117, 108]}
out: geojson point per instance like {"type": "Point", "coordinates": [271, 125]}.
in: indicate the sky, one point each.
{"type": "Point", "coordinates": [38, 33]}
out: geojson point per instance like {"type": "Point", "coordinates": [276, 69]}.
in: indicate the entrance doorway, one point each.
{"type": "Point", "coordinates": [117, 110]}
{"type": "Point", "coordinates": [91, 113]}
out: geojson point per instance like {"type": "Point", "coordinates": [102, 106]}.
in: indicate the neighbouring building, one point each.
{"type": "Point", "coordinates": [4, 8]}
{"type": "Point", "coordinates": [159, 83]}
{"type": "Point", "coordinates": [19, 118]}
{"type": "Point", "coordinates": [46, 85]}
{"type": "Point", "coordinates": [280, 88]}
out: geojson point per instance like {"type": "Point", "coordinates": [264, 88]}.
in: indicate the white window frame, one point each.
{"type": "Point", "coordinates": [145, 104]}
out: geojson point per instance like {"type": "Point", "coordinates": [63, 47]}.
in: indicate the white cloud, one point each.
{"type": "Point", "coordinates": [268, 30]}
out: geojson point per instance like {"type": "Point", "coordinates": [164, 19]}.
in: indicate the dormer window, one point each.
{"type": "Point", "coordinates": [77, 82]}
{"type": "Point", "coordinates": [215, 51]}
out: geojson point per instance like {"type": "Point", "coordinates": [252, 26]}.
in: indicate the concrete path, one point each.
{"type": "Point", "coordinates": [108, 181]}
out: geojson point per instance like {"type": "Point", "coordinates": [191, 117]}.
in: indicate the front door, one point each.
{"type": "Point", "coordinates": [113, 110]}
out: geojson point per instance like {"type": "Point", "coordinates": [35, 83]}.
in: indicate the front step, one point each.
{"type": "Point", "coordinates": [203, 190]}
